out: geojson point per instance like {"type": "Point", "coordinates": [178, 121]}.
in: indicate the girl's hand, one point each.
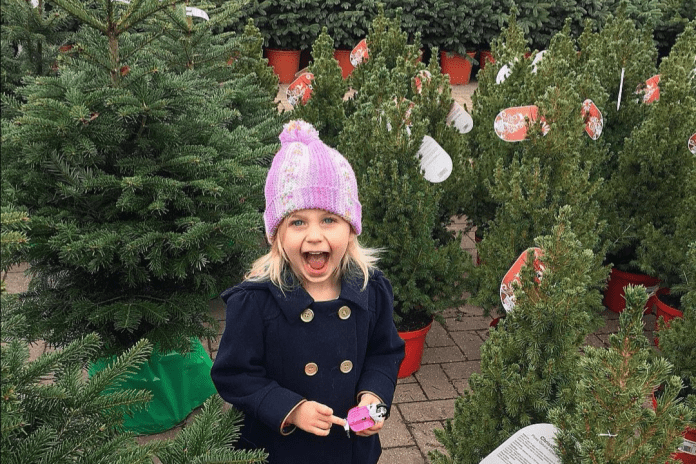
{"type": "Point", "coordinates": [313, 417]}
{"type": "Point", "coordinates": [365, 399]}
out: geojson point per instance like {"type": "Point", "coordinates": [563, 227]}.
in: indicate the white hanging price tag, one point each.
{"type": "Point", "coordinates": [536, 60]}
{"type": "Point", "coordinates": [618, 102]}
{"type": "Point", "coordinates": [460, 119]}
{"type": "Point", "coordinates": [35, 3]}
{"type": "Point", "coordinates": [434, 160]}
{"type": "Point", "coordinates": [192, 11]}
{"type": "Point", "coordinates": [503, 74]}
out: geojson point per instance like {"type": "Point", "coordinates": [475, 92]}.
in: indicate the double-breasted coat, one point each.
{"type": "Point", "coordinates": [279, 348]}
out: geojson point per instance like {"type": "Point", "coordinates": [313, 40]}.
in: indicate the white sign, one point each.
{"type": "Point", "coordinates": [460, 119]}
{"type": "Point", "coordinates": [533, 444]}
{"type": "Point", "coordinates": [191, 11]}
{"type": "Point", "coordinates": [435, 161]}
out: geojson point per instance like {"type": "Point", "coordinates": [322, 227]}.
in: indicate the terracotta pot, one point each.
{"type": "Point", "coordinates": [485, 57]}
{"type": "Point", "coordinates": [343, 58]}
{"type": "Point", "coordinates": [458, 67]}
{"type": "Point", "coordinates": [285, 63]}
{"type": "Point", "coordinates": [614, 298]}
{"type": "Point", "coordinates": [415, 343]}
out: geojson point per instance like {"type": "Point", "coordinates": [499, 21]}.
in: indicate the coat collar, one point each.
{"type": "Point", "coordinates": [296, 300]}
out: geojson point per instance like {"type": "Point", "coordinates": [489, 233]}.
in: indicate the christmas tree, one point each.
{"type": "Point", "coordinates": [143, 178]}
{"type": "Point", "coordinates": [528, 362]}
{"type": "Point", "coordinates": [520, 186]}
{"type": "Point", "coordinates": [325, 108]}
{"type": "Point", "coordinates": [404, 213]}
{"type": "Point", "coordinates": [610, 422]}
{"type": "Point", "coordinates": [660, 195]}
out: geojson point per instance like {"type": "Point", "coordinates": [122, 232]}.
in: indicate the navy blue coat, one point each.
{"type": "Point", "coordinates": [261, 366]}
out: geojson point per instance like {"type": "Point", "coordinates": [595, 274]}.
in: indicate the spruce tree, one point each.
{"type": "Point", "coordinates": [325, 108]}
{"type": "Point", "coordinates": [143, 180]}
{"type": "Point", "coordinates": [528, 362]}
{"type": "Point", "coordinates": [620, 49]}
{"type": "Point", "coordinates": [654, 179]}
{"type": "Point", "coordinates": [525, 183]}
{"type": "Point", "coordinates": [403, 212]}
{"type": "Point", "coordinates": [610, 423]}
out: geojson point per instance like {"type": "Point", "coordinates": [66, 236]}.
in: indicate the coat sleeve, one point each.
{"type": "Point", "coordinates": [239, 373]}
{"type": "Point", "coordinates": [385, 349]}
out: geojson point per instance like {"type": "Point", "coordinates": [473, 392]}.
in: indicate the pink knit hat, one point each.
{"type": "Point", "coordinates": [307, 174]}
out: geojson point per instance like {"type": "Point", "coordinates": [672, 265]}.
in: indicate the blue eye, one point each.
{"type": "Point", "coordinates": [296, 223]}
{"type": "Point", "coordinates": [329, 220]}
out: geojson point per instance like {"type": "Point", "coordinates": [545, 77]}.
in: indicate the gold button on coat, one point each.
{"type": "Point", "coordinates": [346, 366]}
{"type": "Point", "coordinates": [307, 315]}
{"type": "Point", "coordinates": [311, 368]}
{"type": "Point", "coordinates": [344, 312]}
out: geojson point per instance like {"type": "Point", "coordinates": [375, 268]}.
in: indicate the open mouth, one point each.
{"type": "Point", "coordinates": [316, 260]}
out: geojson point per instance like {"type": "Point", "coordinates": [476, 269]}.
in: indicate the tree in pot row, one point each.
{"type": "Point", "coordinates": [141, 160]}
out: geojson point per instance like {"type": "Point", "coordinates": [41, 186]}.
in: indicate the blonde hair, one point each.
{"type": "Point", "coordinates": [275, 265]}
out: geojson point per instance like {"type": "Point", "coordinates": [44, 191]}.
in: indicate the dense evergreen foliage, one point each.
{"type": "Point", "coordinates": [610, 422]}
{"type": "Point", "coordinates": [142, 163]}
{"type": "Point", "coordinates": [528, 361]}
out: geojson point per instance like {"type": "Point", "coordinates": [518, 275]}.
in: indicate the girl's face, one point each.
{"type": "Point", "coordinates": [314, 242]}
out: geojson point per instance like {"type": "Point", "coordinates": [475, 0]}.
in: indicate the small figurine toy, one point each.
{"type": "Point", "coordinates": [363, 417]}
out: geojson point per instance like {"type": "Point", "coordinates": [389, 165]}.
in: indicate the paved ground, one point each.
{"type": "Point", "coordinates": [425, 400]}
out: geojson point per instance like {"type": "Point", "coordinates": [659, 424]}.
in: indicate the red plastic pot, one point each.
{"type": "Point", "coordinates": [415, 343]}
{"type": "Point", "coordinates": [614, 295]}
{"type": "Point", "coordinates": [285, 63]}
{"type": "Point", "coordinates": [662, 310]}
{"type": "Point", "coordinates": [689, 436]}
{"type": "Point", "coordinates": [343, 58]}
{"type": "Point", "coordinates": [458, 67]}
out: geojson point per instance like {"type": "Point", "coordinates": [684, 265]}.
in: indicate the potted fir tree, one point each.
{"type": "Point", "coordinates": [662, 212]}
{"type": "Point", "coordinates": [609, 419]}
{"type": "Point", "coordinates": [528, 362]}
{"type": "Point", "coordinates": [518, 187]}
{"type": "Point", "coordinates": [405, 213]}
{"type": "Point", "coordinates": [458, 39]}
{"type": "Point", "coordinates": [146, 190]}
{"type": "Point", "coordinates": [380, 132]}
{"type": "Point", "coordinates": [288, 28]}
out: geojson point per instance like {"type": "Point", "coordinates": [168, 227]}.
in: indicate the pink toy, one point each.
{"type": "Point", "coordinates": [363, 417]}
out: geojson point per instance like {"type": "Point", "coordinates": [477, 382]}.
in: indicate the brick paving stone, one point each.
{"type": "Point", "coordinates": [409, 379]}
{"type": "Point", "coordinates": [594, 341]}
{"type": "Point", "coordinates": [470, 310]}
{"type": "Point", "coordinates": [442, 354]}
{"type": "Point", "coordinates": [461, 385]}
{"type": "Point", "coordinates": [438, 336]}
{"type": "Point", "coordinates": [424, 411]}
{"type": "Point", "coordinates": [459, 324]}
{"type": "Point", "coordinates": [461, 370]}
{"type": "Point", "coordinates": [395, 433]}
{"type": "Point", "coordinates": [483, 334]}
{"type": "Point", "coordinates": [435, 383]}
{"type": "Point", "coordinates": [409, 455]}
{"type": "Point", "coordinates": [470, 344]}
{"type": "Point", "coordinates": [424, 435]}
{"type": "Point", "coordinates": [408, 392]}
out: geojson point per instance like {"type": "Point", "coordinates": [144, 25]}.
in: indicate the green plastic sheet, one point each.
{"type": "Point", "coordinates": [179, 384]}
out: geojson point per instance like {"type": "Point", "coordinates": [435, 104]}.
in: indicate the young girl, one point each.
{"type": "Point", "coordinates": [309, 333]}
